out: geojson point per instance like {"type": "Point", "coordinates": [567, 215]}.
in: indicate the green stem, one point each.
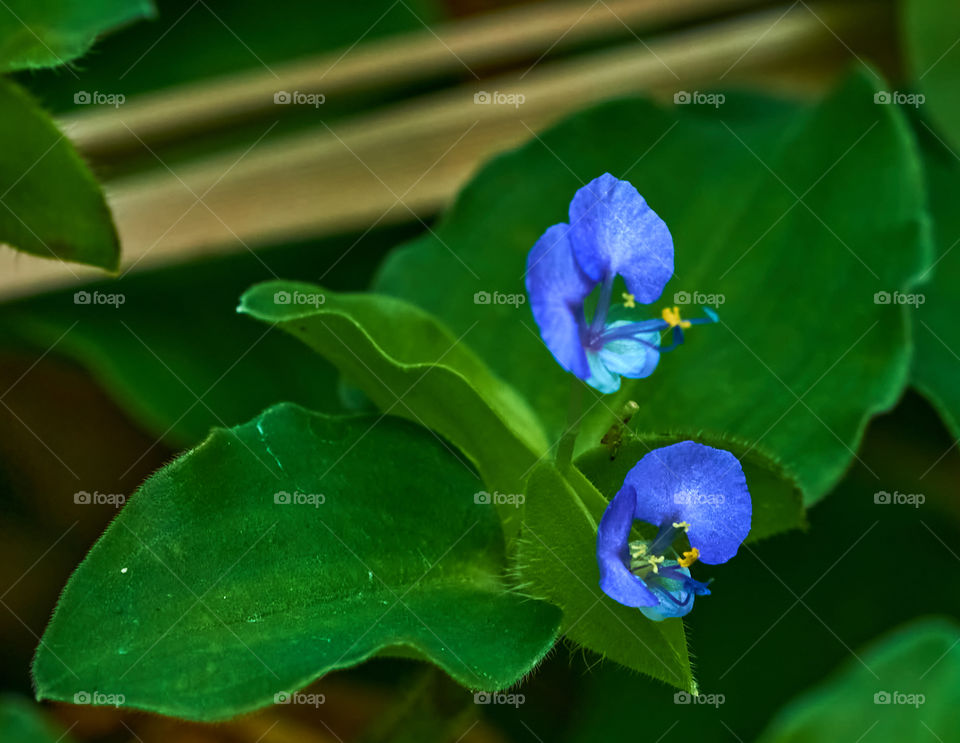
{"type": "Point", "coordinates": [569, 439]}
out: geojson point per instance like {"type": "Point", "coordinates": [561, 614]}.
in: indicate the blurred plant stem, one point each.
{"type": "Point", "coordinates": [434, 710]}
{"type": "Point", "coordinates": [574, 414]}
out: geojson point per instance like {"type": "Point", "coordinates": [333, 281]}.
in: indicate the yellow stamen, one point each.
{"type": "Point", "coordinates": [671, 316]}
{"type": "Point", "coordinates": [689, 557]}
{"type": "Point", "coordinates": [628, 300]}
{"type": "Point", "coordinates": [681, 525]}
{"type": "Point", "coordinates": [655, 562]}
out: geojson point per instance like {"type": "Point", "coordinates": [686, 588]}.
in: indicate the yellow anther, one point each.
{"type": "Point", "coordinates": [655, 562]}
{"type": "Point", "coordinates": [671, 316]}
{"type": "Point", "coordinates": [638, 549]}
{"type": "Point", "coordinates": [682, 525]}
{"type": "Point", "coordinates": [629, 300]}
{"type": "Point", "coordinates": [689, 557]}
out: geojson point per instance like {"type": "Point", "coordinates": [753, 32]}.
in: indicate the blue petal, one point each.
{"type": "Point", "coordinates": [601, 378]}
{"type": "Point", "coordinates": [557, 288]}
{"type": "Point", "coordinates": [631, 358]}
{"type": "Point", "coordinates": [700, 485]}
{"type": "Point", "coordinates": [614, 231]}
{"type": "Point", "coordinates": [613, 536]}
{"type": "Point", "coordinates": [675, 598]}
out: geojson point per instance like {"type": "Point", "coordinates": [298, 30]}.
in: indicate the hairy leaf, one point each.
{"type": "Point", "coordinates": [280, 550]}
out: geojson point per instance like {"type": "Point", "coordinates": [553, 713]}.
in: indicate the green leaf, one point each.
{"type": "Point", "coordinates": [206, 596]}
{"type": "Point", "coordinates": [46, 33]}
{"type": "Point", "coordinates": [802, 356]}
{"type": "Point", "coordinates": [930, 30]}
{"type": "Point", "coordinates": [290, 30]}
{"type": "Point", "coordinates": [410, 365]}
{"type": "Point", "coordinates": [906, 686]}
{"type": "Point", "coordinates": [394, 351]}
{"type": "Point", "coordinates": [777, 501]}
{"type": "Point", "coordinates": [22, 721]}
{"type": "Point", "coordinates": [50, 203]}
{"type": "Point", "coordinates": [937, 334]}
{"type": "Point", "coordinates": [557, 561]}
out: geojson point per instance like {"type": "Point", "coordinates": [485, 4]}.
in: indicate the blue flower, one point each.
{"type": "Point", "coordinates": [684, 488]}
{"type": "Point", "coordinates": [611, 232]}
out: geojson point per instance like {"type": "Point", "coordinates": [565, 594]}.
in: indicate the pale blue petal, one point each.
{"type": "Point", "coordinates": [601, 378]}
{"type": "Point", "coordinates": [674, 597]}
{"type": "Point", "coordinates": [630, 357]}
